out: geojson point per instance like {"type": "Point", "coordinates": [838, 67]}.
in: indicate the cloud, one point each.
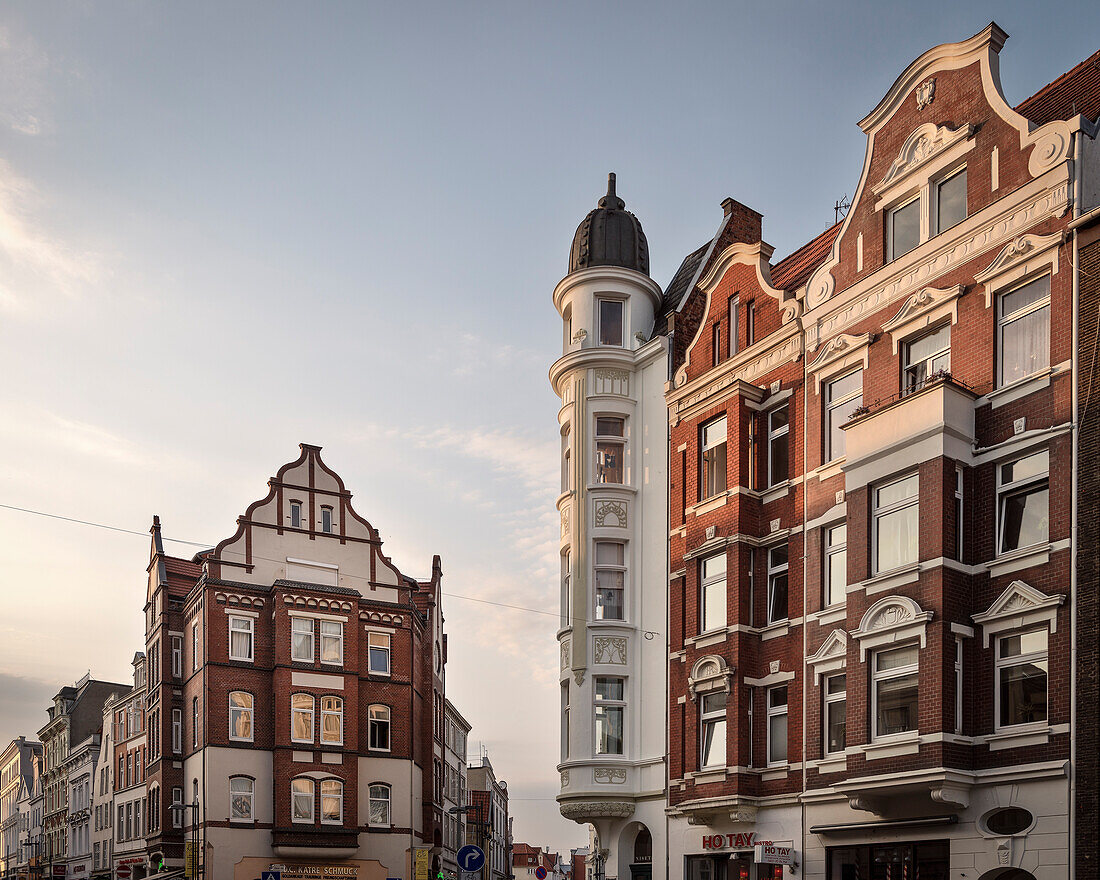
{"type": "Point", "coordinates": [23, 703]}
{"type": "Point", "coordinates": [468, 354]}
{"type": "Point", "coordinates": [24, 67]}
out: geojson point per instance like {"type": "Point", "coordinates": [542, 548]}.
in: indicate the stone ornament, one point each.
{"type": "Point", "coordinates": [925, 93]}
{"type": "Point", "coordinates": [565, 646]}
{"type": "Point", "coordinates": [612, 382]}
{"type": "Point", "coordinates": [565, 521]}
{"type": "Point", "coordinates": [743, 815]}
{"type": "Point", "coordinates": [615, 511]}
{"type": "Point", "coordinates": [564, 778]}
{"type": "Point", "coordinates": [582, 810]}
{"type": "Point", "coordinates": [611, 650]}
{"type": "Point", "coordinates": [609, 775]}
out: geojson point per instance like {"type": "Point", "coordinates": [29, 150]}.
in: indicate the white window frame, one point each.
{"type": "Point", "coordinates": [195, 646]}
{"type": "Point", "coordinates": [329, 709]}
{"type": "Point", "coordinates": [719, 429]}
{"type": "Point", "coordinates": [733, 308]}
{"type": "Point", "coordinates": [296, 796]}
{"type": "Point", "coordinates": [246, 625]}
{"type": "Point", "coordinates": [337, 636]}
{"type": "Point", "coordinates": [380, 720]}
{"type": "Point", "coordinates": [609, 440]}
{"type": "Point", "coordinates": [610, 567]}
{"type": "Point", "coordinates": [936, 185]}
{"type": "Point", "coordinates": [177, 656]}
{"type": "Point", "coordinates": [177, 731]}
{"type": "Point", "coordinates": [783, 433]}
{"type": "Point", "coordinates": [617, 705]}
{"type": "Point", "coordinates": [879, 513]}
{"type": "Point", "coordinates": [295, 710]}
{"type": "Point", "coordinates": [1000, 664]}
{"type": "Point", "coordinates": [379, 792]}
{"type": "Point", "coordinates": [838, 404]}
{"type": "Point", "coordinates": [960, 514]}
{"type": "Point", "coordinates": [909, 366]}
{"type": "Point", "coordinates": [716, 582]}
{"type": "Point", "coordinates": [326, 519]}
{"type": "Point", "coordinates": [774, 712]}
{"type": "Point", "coordinates": [1004, 320]}
{"type": "Point", "coordinates": [830, 700]}
{"type": "Point", "coordinates": [878, 676]}
{"type": "Point", "coordinates": [296, 518]}
{"type": "Point", "coordinates": [622, 321]}
{"type": "Point", "coordinates": [774, 572]}
{"type": "Point", "coordinates": [250, 793]}
{"type": "Point", "coordinates": [339, 783]}
{"type": "Point", "coordinates": [958, 685]}
{"type": "Point", "coordinates": [379, 641]}
{"type": "Point", "coordinates": [194, 722]}
{"type": "Point", "coordinates": [234, 711]}
{"type": "Point", "coordinates": [833, 550]}
{"type": "Point", "coordinates": [716, 719]}
{"type": "Point", "coordinates": [565, 719]}
{"type": "Point", "coordinates": [890, 214]}
{"type": "Point", "coordinates": [566, 589]}
{"type": "Point", "coordinates": [1024, 485]}
{"type": "Point", "coordinates": [298, 627]}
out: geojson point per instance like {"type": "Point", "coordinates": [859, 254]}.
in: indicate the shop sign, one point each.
{"type": "Point", "coordinates": [59, 870]}
{"type": "Point", "coordinates": [775, 853]}
{"type": "Point", "coordinates": [316, 872]}
{"type": "Point", "coordinates": [732, 841]}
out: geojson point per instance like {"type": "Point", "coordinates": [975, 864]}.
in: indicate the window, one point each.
{"type": "Point", "coordinates": [566, 589]}
{"type": "Point", "coordinates": [326, 520]}
{"type": "Point", "coordinates": [241, 638]}
{"type": "Point", "coordinates": [609, 450]}
{"type": "Point", "coordinates": [958, 686]}
{"type": "Point", "coordinates": [1022, 502]}
{"type": "Point", "coordinates": [1022, 678]}
{"type": "Point", "coordinates": [332, 801]}
{"type": "Point", "coordinates": [894, 691]}
{"type": "Point", "coordinates": [610, 580]}
{"type": "Point", "coordinates": [332, 642]}
{"type": "Point", "coordinates": [194, 722]}
{"type": "Point", "coordinates": [379, 804]}
{"type": "Point", "coordinates": [1023, 330]}
{"type": "Point", "coordinates": [565, 719]}
{"type": "Point", "coordinates": [712, 599]}
{"type": "Point", "coordinates": [194, 647]}
{"type": "Point", "coordinates": [177, 656]}
{"type": "Point", "coordinates": [712, 724]}
{"type": "Point", "coordinates": [301, 717]}
{"type": "Point", "coordinates": [296, 514]}
{"type": "Point", "coordinates": [895, 519]}
{"type": "Point", "coordinates": [926, 356]}
{"type": "Point", "coordinates": [959, 531]}
{"type": "Point", "coordinates": [777, 725]}
{"type": "Point", "coordinates": [332, 720]}
{"type": "Point", "coordinates": [379, 728]}
{"type": "Point", "coordinates": [609, 716]}
{"type": "Point", "coordinates": [241, 792]}
{"type": "Point", "coordinates": [951, 200]}
{"type": "Point", "coordinates": [843, 397]}
{"type": "Point", "coordinates": [713, 466]}
{"type": "Point", "coordinates": [611, 322]}
{"type": "Point", "coordinates": [301, 639]}
{"type": "Point", "coordinates": [750, 322]}
{"type": "Point", "coordinates": [301, 800]}
{"type": "Point", "coordinates": [835, 711]}
{"type": "Point", "coordinates": [778, 452]}
{"type": "Point", "coordinates": [378, 649]}
{"type": "Point", "coordinates": [566, 462]}
{"type": "Point", "coordinates": [836, 564]}
{"type": "Point", "coordinates": [777, 583]}
{"type": "Point", "coordinates": [903, 229]}
{"type": "Point", "coordinates": [120, 829]}
{"type": "Point", "coordinates": [177, 731]}
{"type": "Point", "coordinates": [733, 324]}
{"type": "Point", "coordinates": [240, 716]}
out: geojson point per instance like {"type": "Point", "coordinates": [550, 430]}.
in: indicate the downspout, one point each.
{"type": "Point", "coordinates": [412, 742]}
{"type": "Point", "coordinates": [1074, 372]}
{"type": "Point", "coordinates": [805, 628]}
{"type": "Point", "coordinates": [668, 616]}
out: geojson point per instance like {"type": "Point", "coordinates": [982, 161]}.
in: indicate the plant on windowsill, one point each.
{"type": "Point", "coordinates": [858, 413]}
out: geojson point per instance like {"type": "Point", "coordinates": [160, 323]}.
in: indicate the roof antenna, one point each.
{"type": "Point", "coordinates": [840, 208]}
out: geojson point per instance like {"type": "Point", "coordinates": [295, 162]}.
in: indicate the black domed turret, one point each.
{"type": "Point", "coordinates": [610, 236]}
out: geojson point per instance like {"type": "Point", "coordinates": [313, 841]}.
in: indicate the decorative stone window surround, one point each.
{"type": "Point", "coordinates": [926, 308]}
{"type": "Point", "coordinates": [891, 620]}
{"type": "Point", "coordinates": [1022, 258]}
{"type": "Point", "coordinates": [831, 657]}
{"type": "Point", "coordinates": [838, 356]}
{"type": "Point", "coordinates": [1018, 607]}
{"type": "Point", "coordinates": [709, 675]}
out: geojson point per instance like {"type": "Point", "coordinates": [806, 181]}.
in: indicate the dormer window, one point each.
{"type": "Point", "coordinates": [611, 322]}
{"type": "Point", "coordinates": [296, 514]}
{"type": "Point", "coordinates": [326, 520]}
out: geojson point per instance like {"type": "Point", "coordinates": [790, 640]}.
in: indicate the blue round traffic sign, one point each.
{"type": "Point", "coordinates": [471, 858]}
{"type": "Point", "coordinates": [540, 873]}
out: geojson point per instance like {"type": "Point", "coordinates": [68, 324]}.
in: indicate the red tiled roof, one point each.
{"type": "Point", "coordinates": [793, 271]}
{"type": "Point", "coordinates": [1075, 91]}
{"type": "Point", "coordinates": [184, 567]}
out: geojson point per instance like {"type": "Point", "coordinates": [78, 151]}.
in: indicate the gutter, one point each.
{"type": "Point", "coordinates": [1082, 221]}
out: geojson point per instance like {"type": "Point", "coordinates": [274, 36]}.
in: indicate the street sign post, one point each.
{"type": "Point", "coordinates": [471, 858]}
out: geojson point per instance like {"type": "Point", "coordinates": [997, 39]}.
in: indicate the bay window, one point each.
{"type": "Point", "coordinates": [777, 725]}
{"type": "Point", "coordinates": [1021, 667]}
{"type": "Point", "coordinates": [610, 449]}
{"type": "Point", "coordinates": [895, 521]}
{"type": "Point", "coordinates": [1023, 502]}
{"type": "Point", "coordinates": [1023, 330]}
{"type": "Point", "coordinates": [301, 639]}
{"type": "Point", "coordinates": [712, 598]}
{"type": "Point", "coordinates": [894, 691]}
{"type": "Point", "coordinates": [713, 458]}
{"type": "Point", "coordinates": [566, 589]}
{"type": "Point", "coordinates": [843, 397]}
{"type": "Point", "coordinates": [610, 580]}
{"type": "Point", "coordinates": [777, 583]}
{"type": "Point", "coordinates": [712, 725]}
{"type": "Point", "coordinates": [609, 710]}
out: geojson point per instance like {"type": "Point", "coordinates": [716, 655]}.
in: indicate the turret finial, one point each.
{"type": "Point", "coordinates": [611, 200]}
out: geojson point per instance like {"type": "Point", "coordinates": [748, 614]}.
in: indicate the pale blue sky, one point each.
{"type": "Point", "coordinates": [229, 227]}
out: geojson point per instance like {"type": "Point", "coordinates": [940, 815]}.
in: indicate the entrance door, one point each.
{"type": "Point", "coordinates": [641, 872]}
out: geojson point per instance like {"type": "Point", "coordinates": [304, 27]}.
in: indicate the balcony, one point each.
{"type": "Point", "coordinates": [932, 421]}
{"type": "Point", "coordinates": [315, 841]}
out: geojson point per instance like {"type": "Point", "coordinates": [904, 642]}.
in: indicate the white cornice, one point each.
{"type": "Point", "coordinates": [597, 274]}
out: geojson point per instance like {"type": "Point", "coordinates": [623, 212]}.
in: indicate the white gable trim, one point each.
{"type": "Point", "coordinates": [890, 620]}
{"type": "Point", "coordinates": [1018, 607]}
{"type": "Point", "coordinates": [832, 656]}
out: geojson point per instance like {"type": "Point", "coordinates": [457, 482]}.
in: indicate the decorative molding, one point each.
{"type": "Point", "coordinates": [867, 804]}
{"type": "Point", "coordinates": [1021, 256]}
{"type": "Point", "coordinates": [581, 811]}
{"type": "Point", "coordinates": [838, 354]}
{"type": "Point", "coordinates": [609, 649]}
{"type": "Point", "coordinates": [922, 309]}
{"type": "Point", "coordinates": [609, 381]}
{"type": "Point", "coordinates": [832, 656]}
{"type": "Point", "coordinates": [609, 775]}
{"type": "Point", "coordinates": [376, 617]}
{"type": "Point", "coordinates": [615, 510]}
{"type": "Point", "coordinates": [925, 93]}
{"type": "Point", "coordinates": [565, 520]}
{"type": "Point", "coordinates": [891, 619]}
{"type": "Point", "coordinates": [751, 368]}
{"type": "Point", "coordinates": [744, 815]}
{"type": "Point", "coordinates": [578, 676]}
{"type": "Point", "coordinates": [925, 142]}
{"type": "Point", "coordinates": [565, 779]}
{"type": "Point", "coordinates": [710, 673]}
{"type": "Point", "coordinates": [243, 601]}
{"type": "Point", "coordinates": [317, 604]}
{"type": "Point", "coordinates": [565, 654]}
{"type": "Point", "coordinates": [1019, 606]}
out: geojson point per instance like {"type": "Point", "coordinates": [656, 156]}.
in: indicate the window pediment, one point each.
{"type": "Point", "coordinates": [839, 353]}
{"type": "Point", "coordinates": [927, 151]}
{"type": "Point", "coordinates": [832, 656]}
{"type": "Point", "coordinates": [710, 673]}
{"type": "Point", "coordinates": [924, 308]}
{"type": "Point", "coordinates": [891, 619]}
{"type": "Point", "coordinates": [1021, 257]}
{"type": "Point", "coordinates": [1019, 606]}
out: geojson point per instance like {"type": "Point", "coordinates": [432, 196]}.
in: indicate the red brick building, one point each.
{"type": "Point", "coordinates": [874, 504]}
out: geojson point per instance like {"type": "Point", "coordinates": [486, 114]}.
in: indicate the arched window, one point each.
{"type": "Point", "coordinates": [301, 718]}
{"type": "Point", "coordinates": [332, 801]}
{"type": "Point", "coordinates": [332, 720]}
{"type": "Point", "coordinates": [643, 847]}
{"type": "Point", "coordinates": [301, 800]}
{"type": "Point", "coordinates": [379, 804]}
{"type": "Point", "coordinates": [241, 793]}
{"type": "Point", "coordinates": [379, 728]}
{"type": "Point", "coordinates": [240, 716]}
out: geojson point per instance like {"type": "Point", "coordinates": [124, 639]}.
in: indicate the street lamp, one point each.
{"type": "Point", "coordinates": [476, 810]}
{"type": "Point", "coordinates": [179, 810]}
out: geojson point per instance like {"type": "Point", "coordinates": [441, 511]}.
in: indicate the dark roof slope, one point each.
{"type": "Point", "coordinates": [678, 286]}
{"type": "Point", "coordinates": [793, 271]}
{"type": "Point", "coordinates": [1076, 91]}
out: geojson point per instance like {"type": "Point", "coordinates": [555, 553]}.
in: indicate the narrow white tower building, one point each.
{"type": "Point", "coordinates": [614, 537]}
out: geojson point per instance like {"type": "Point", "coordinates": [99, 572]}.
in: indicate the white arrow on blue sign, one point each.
{"type": "Point", "coordinates": [271, 875]}
{"type": "Point", "coordinates": [471, 858]}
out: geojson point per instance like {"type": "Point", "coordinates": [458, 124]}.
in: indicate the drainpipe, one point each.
{"type": "Point", "coordinates": [1074, 472]}
{"type": "Point", "coordinates": [805, 628]}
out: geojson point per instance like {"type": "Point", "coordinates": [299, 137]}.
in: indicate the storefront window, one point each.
{"type": "Point", "coordinates": [927, 860]}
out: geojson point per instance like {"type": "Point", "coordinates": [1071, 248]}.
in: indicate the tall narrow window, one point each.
{"type": "Point", "coordinates": [240, 716]}
{"type": "Point", "coordinates": [301, 795]}
{"type": "Point", "coordinates": [241, 792]}
{"type": "Point", "coordinates": [926, 356]}
{"type": "Point", "coordinates": [716, 343]}
{"type": "Point", "coordinates": [379, 653]}
{"type": "Point", "coordinates": [177, 815]}
{"type": "Point", "coordinates": [750, 322]}
{"type": "Point", "coordinates": [777, 583]}
{"type": "Point", "coordinates": [566, 462]}
{"type": "Point", "coordinates": [611, 322]}
{"type": "Point", "coordinates": [777, 725]}
{"type": "Point", "coordinates": [778, 446]}
{"type": "Point", "coordinates": [332, 642]}
{"type": "Point", "coordinates": [713, 463]}
{"type": "Point", "coordinates": [379, 728]}
{"type": "Point", "coordinates": [194, 722]}
{"type": "Point", "coordinates": [835, 714]}
{"type": "Point", "coordinates": [326, 520]}
{"type": "Point", "coordinates": [301, 639]}
{"type": "Point", "coordinates": [951, 201]}
{"type": "Point", "coordinates": [332, 720]}
{"type": "Point", "coordinates": [750, 579]}
{"type": "Point", "coordinates": [959, 511]}
{"type": "Point", "coordinates": [1022, 678]}
{"type": "Point", "coordinates": [194, 646]}
{"type": "Point", "coordinates": [894, 691]}
{"type": "Point", "coordinates": [895, 522]}
{"type": "Point", "coordinates": [610, 707]}
{"type": "Point", "coordinates": [610, 447]}
{"type": "Point", "coordinates": [296, 514]}
{"type": "Point", "coordinates": [843, 396]}
{"type": "Point", "coordinates": [610, 580]}
{"type": "Point", "coordinates": [836, 564]}
{"type": "Point", "coordinates": [177, 656]}
{"type": "Point", "coordinates": [332, 801]}
{"type": "Point", "coordinates": [241, 632]}
{"type": "Point", "coordinates": [712, 725]}
{"type": "Point", "coordinates": [958, 685]}
{"type": "Point", "coordinates": [177, 731]}
{"type": "Point", "coordinates": [301, 718]}
{"type": "Point", "coordinates": [1023, 319]}
{"type": "Point", "coordinates": [734, 327]}
{"type": "Point", "coordinates": [565, 719]}
{"type": "Point", "coordinates": [712, 599]}
{"type": "Point", "coordinates": [903, 229]}
{"type": "Point", "coordinates": [566, 589]}
{"type": "Point", "coordinates": [379, 796]}
{"type": "Point", "coordinates": [1023, 502]}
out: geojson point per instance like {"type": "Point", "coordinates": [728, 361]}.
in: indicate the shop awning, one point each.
{"type": "Point", "coordinates": [887, 823]}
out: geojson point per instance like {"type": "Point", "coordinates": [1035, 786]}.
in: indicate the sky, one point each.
{"type": "Point", "coordinates": [228, 228]}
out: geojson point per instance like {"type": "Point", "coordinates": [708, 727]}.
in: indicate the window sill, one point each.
{"type": "Point", "coordinates": [888, 580]}
{"type": "Point", "coordinates": [830, 614]}
{"type": "Point", "coordinates": [829, 469]}
{"type": "Point", "coordinates": [774, 630]}
{"type": "Point", "coordinates": [1019, 388]}
{"type": "Point", "coordinates": [774, 771]}
{"type": "Point", "coordinates": [830, 764]}
{"type": "Point", "coordinates": [1015, 560]}
{"type": "Point", "coordinates": [707, 639]}
{"type": "Point", "coordinates": [774, 493]}
{"type": "Point", "coordinates": [709, 504]}
{"type": "Point", "coordinates": [892, 746]}
{"type": "Point", "coordinates": [615, 487]}
{"type": "Point", "coordinates": [242, 822]}
{"type": "Point", "coordinates": [1019, 736]}
{"type": "Point", "coordinates": [710, 774]}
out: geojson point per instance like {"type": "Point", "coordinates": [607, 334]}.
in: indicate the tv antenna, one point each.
{"type": "Point", "coordinates": [841, 207]}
